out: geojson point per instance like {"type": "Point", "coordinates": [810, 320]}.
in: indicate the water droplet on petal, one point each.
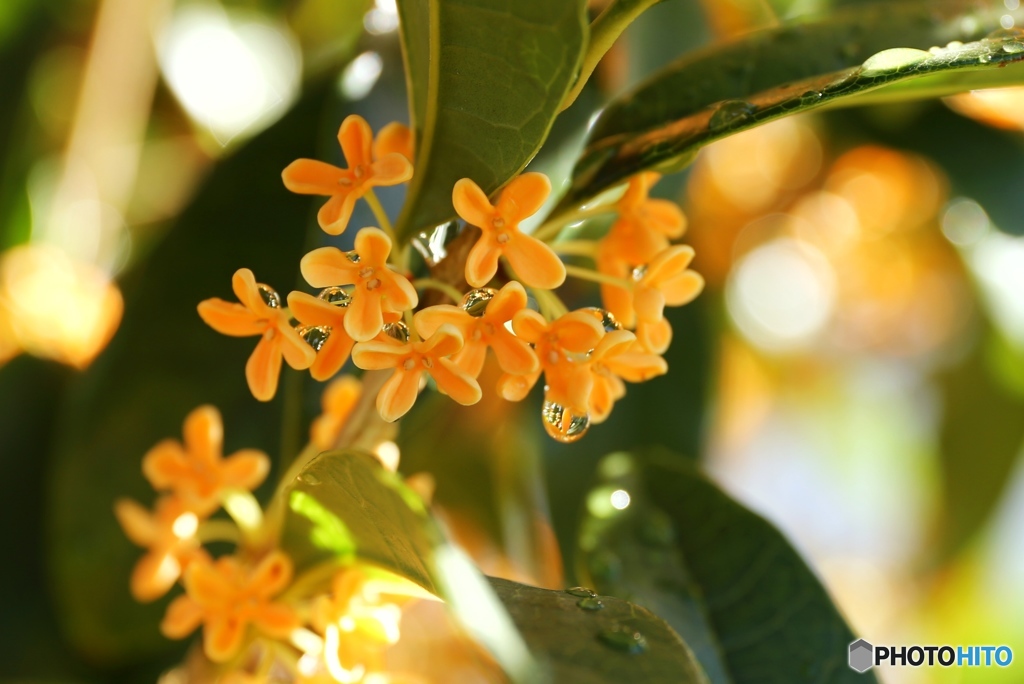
{"type": "Point", "coordinates": [731, 113]}
{"type": "Point", "coordinates": [624, 639]}
{"type": "Point", "coordinates": [590, 603]}
{"type": "Point", "coordinates": [581, 592]}
{"type": "Point", "coordinates": [893, 59]}
{"type": "Point", "coordinates": [269, 296]}
{"type": "Point", "coordinates": [475, 302]}
{"type": "Point", "coordinates": [605, 318]}
{"type": "Point", "coordinates": [352, 256]}
{"type": "Point", "coordinates": [638, 273]}
{"type": "Point", "coordinates": [336, 295]}
{"type": "Point", "coordinates": [563, 424]}
{"type": "Point", "coordinates": [397, 331]}
{"type": "Point", "coordinates": [309, 478]}
{"type": "Point", "coordinates": [314, 335]}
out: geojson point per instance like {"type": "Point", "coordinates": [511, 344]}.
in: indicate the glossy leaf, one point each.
{"type": "Point", "coordinates": [163, 362]}
{"type": "Point", "coordinates": [578, 644]}
{"type": "Point", "coordinates": [726, 580]}
{"type": "Point", "coordinates": [796, 68]}
{"type": "Point", "coordinates": [486, 78]}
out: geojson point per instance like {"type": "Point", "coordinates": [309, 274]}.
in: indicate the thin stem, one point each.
{"type": "Point", "coordinates": [413, 335]}
{"type": "Point", "coordinates": [381, 215]}
{"type": "Point", "coordinates": [432, 284]}
{"type": "Point", "coordinates": [246, 512]}
{"type": "Point", "coordinates": [551, 228]}
{"type": "Point", "coordinates": [551, 306]}
{"type": "Point", "coordinates": [291, 417]}
{"type": "Point", "coordinates": [594, 276]}
{"type": "Point", "coordinates": [218, 531]}
{"type": "Point", "coordinates": [586, 248]}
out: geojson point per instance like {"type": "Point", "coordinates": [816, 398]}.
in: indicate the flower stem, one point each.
{"type": "Point", "coordinates": [218, 531]}
{"type": "Point", "coordinates": [381, 215]}
{"type": "Point", "coordinates": [246, 512]}
{"type": "Point", "coordinates": [594, 276]}
{"type": "Point", "coordinates": [551, 228]}
{"type": "Point", "coordinates": [586, 248]}
{"type": "Point", "coordinates": [433, 284]}
{"type": "Point", "coordinates": [551, 306]}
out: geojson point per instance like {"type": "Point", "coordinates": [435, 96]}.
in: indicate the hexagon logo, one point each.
{"type": "Point", "coordinates": [861, 656]}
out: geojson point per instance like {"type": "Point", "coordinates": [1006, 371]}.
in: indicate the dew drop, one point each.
{"type": "Point", "coordinates": [314, 335]}
{"type": "Point", "coordinates": [810, 97]}
{"type": "Point", "coordinates": [624, 639]}
{"type": "Point", "coordinates": [269, 296]}
{"type": "Point", "coordinates": [731, 113]}
{"type": "Point", "coordinates": [309, 478]}
{"type": "Point", "coordinates": [397, 331]}
{"type": "Point", "coordinates": [562, 424]}
{"type": "Point", "coordinates": [1013, 48]}
{"type": "Point", "coordinates": [605, 318]}
{"type": "Point", "coordinates": [338, 296]}
{"type": "Point", "coordinates": [352, 256]}
{"type": "Point", "coordinates": [638, 273]}
{"type": "Point", "coordinates": [893, 59]}
{"type": "Point", "coordinates": [475, 302]}
{"type": "Point", "coordinates": [1000, 35]}
{"type": "Point", "coordinates": [582, 592]}
{"type": "Point", "coordinates": [590, 603]}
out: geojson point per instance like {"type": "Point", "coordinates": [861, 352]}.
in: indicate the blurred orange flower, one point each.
{"type": "Point", "coordinates": [338, 400]}
{"type": "Point", "coordinates": [617, 357]}
{"type": "Point", "coordinates": [534, 263]}
{"type": "Point", "coordinates": [345, 186]}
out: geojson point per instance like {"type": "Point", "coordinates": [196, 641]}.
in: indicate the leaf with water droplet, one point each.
{"type": "Point", "coordinates": [769, 74]}
{"type": "Point", "coordinates": [624, 639]}
{"type": "Point", "coordinates": [581, 591]}
{"type": "Point", "coordinates": [590, 603]}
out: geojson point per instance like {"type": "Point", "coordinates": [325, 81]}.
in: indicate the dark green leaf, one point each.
{"type": "Point", "coordinates": [486, 78]}
{"type": "Point", "coordinates": [163, 362]}
{"type": "Point", "coordinates": [795, 68]}
{"type": "Point", "coordinates": [589, 646]}
{"type": "Point", "coordinates": [723, 577]}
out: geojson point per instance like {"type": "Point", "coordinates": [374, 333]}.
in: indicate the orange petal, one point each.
{"type": "Point", "coordinates": [137, 522]}
{"type": "Point", "coordinates": [243, 282]}
{"type": "Point", "coordinates": [332, 356]}
{"type": "Point", "coordinates": [668, 264]}
{"type": "Point", "coordinates": [578, 331]}
{"type": "Point", "coordinates": [529, 325]}
{"type": "Point", "coordinates": [166, 465]}
{"type": "Point", "coordinates": [602, 399]}
{"type": "Point", "coordinates": [207, 584]}
{"type": "Point", "coordinates": [336, 212]}
{"type": "Point", "coordinates": [471, 204]}
{"type": "Point", "coordinates": [654, 337]}
{"type": "Point", "coordinates": [245, 469]}
{"type": "Point", "coordinates": [356, 140]}
{"type": "Point", "coordinates": [229, 318]}
{"type": "Point", "coordinates": [534, 262]}
{"type": "Point", "coordinates": [398, 394]}
{"type": "Point", "coordinates": [272, 575]}
{"type": "Point", "coordinates": [327, 266]}
{"type": "Point", "coordinates": [295, 350]}
{"type": "Point", "coordinates": [524, 196]}
{"type": "Point", "coordinates": [619, 301]}
{"type": "Point", "coordinates": [507, 302]}
{"type": "Point", "coordinates": [664, 217]}
{"type": "Point", "coordinates": [637, 190]}
{"type": "Point", "coordinates": [378, 355]}
{"type": "Point", "coordinates": [471, 358]}
{"type": "Point", "coordinates": [637, 366]}
{"type": "Point", "coordinates": [394, 137]}
{"type": "Point", "coordinates": [311, 177]}
{"type": "Point", "coordinates": [204, 433]}
{"type": "Point", "coordinates": [428, 320]}
{"type": "Point", "coordinates": [454, 382]}
{"type": "Point", "coordinates": [391, 169]}
{"type": "Point", "coordinates": [263, 368]}
{"type": "Point", "coordinates": [154, 575]}
{"type": "Point", "coordinates": [312, 310]}
{"type": "Point", "coordinates": [276, 619]}
{"type": "Point", "coordinates": [398, 292]}
{"type": "Point", "coordinates": [683, 288]}
{"type": "Point", "coordinates": [222, 637]}
{"type": "Point", "coordinates": [364, 318]}
{"type": "Point", "coordinates": [514, 355]}
{"type": "Point", "coordinates": [373, 246]}
{"type": "Point", "coordinates": [445, 341]}
{"type": "Point", "coordinates": [516, 387]}
{"type": "Point", "coordinates": [649, 304]}
{"type": "Point", "coordinates": [613, 344]}
{"type": "Point", "coordinates": [482, 262]}
{"type": "Point", "coordinates": [181, 619]}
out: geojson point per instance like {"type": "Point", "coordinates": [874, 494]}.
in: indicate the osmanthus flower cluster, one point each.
{"type": "Point", "coordinates": [260, 620]}
{"type": "Point", "coordinates": [367, 307]}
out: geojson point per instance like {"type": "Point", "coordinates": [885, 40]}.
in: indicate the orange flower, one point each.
{"type": "Point", "coordinates": [169, 535]}
{"type": "Point", "coordinates": [195, 471]}
{"type": "Point", "coordinates": [377, 286]}
{"type": "Point", "coordinates": [394, 137]}
{"type": "Point", "coordinates": [411, 361]}
{"type": "Point", "coordinates": [259, 313]}
{"type": "Point", "coordinates": [666, 281]}
{"type": "Point", "coordinates": [533, 261]}
{"type": "Point", "coordinates": [338, 400]}
{"type": "Point", "coordinates": [562, 348]}
{"type": "Point", "coordinates": [485, 330]}
{"type": "Point", "coordinates": [345, 186]}
{"type": "Point", "coordinates": [617, 358]}
{"type": "Point", "coordinates": [321, 311]}
{"type": "Point", "coordinates": [225, 597]}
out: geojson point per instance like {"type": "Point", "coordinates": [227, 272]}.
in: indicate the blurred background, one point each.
{"type": "Point", "coordinates": [854, 371]}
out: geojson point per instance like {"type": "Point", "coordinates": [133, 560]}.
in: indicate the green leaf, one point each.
{"type": "Point", "coordinates": [796, 68]}
{"type": "Point", "coordinates": [586, 646]}
{"type": "Point", "coordinates": [486, 78]}
{"type": "Point", "coordinates": [329, 532]}
{"type": "Point", "coordinates": [726, 580]}
{"type": "Point", "coordinates": [164, 362]}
